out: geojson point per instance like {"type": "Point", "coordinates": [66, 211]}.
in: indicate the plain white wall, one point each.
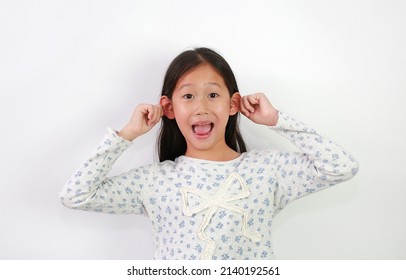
{"type": "Point", "coordinates": [71, 68]}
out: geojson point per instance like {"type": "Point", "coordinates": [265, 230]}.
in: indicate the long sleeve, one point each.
{"type": "Point", "coordinates": [320, 164]}
{"type": "Point", "coordinates": [90, 189]}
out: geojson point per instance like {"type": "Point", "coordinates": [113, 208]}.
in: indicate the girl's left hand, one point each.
{"type": "Point", "coordinates": [258, 109]}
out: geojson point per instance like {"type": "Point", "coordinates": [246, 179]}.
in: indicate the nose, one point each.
{"type": "Point", "coordinates": [202, 106]}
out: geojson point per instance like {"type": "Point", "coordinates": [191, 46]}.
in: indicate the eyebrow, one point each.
{"type": "Point", "coordinates": [209, 83]}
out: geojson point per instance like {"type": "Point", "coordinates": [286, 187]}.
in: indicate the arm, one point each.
{"type": "Point", "coordinates": [320, 164]}
{"type": "Point", "coordinates": [89, 188]}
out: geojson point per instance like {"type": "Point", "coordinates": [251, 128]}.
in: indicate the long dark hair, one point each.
{"type": "Point", "coordinates": [171, 143]}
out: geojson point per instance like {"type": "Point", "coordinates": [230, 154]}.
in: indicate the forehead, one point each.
{"type": "Point", "coordinates": [204, 74]}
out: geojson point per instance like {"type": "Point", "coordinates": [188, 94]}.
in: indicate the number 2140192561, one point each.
{"type": "Point", "coordinates": [260, 270]}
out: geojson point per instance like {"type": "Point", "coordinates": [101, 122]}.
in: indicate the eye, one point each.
{"type": "Point", "coordinates": [188, 96]}
{"type": "Point", "coordinates": [213, 95]}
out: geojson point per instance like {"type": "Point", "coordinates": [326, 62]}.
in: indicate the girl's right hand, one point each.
{"type": "Point", "coordinates": [143, 119]}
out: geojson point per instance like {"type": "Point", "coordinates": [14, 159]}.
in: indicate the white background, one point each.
{"type": "Point", "coordinates": [69, 69]}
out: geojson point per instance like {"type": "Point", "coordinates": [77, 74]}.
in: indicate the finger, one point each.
{"type": "Point", "coordinates": [160, 111]}
{"type": "Point", "coordinates": [248, 104]}
{"type": "Point", "coordinates": [156, 115]}
{"type": "Point", "coordinates": [144, 109]}
{"type": "Point", "coordinates": [243, 110]}
{"type": "Point", "coordinates": [150, 112]}
{"type": "Point", "coordinates": [152, 116]}
{"type": "Point", "coordinates": [254, 99]}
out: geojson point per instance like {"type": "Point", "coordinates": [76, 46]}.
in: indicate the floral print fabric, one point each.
{"type": "Point", "coordinates": [211, 210]}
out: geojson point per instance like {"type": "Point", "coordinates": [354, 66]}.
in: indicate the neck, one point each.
{"type": "Point", "coordinates": [223, 154]}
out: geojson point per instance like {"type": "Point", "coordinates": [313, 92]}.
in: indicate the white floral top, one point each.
{"type": "Point", "coordinates": [211, 210]}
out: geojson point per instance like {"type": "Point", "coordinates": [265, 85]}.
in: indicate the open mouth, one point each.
{"type": "Point", "coordinates": [202, 129]}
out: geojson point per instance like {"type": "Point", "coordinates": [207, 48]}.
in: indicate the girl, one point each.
{"type": "Point", "coordinates": [208, 198]}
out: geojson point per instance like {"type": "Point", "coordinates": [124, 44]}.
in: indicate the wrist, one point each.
{"type": "Point", "coordinates": [127, 134]}
{"type": "Point", "coordinates": [273, 118]}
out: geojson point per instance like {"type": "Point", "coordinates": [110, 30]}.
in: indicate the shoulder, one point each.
{"type": "Point", "coordinates": [257, 155]}
{"type": "Point", "coordinates": [163, 167]}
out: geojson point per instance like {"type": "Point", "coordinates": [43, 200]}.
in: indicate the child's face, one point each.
{"type": "Point", "coordinates": [201, 106]}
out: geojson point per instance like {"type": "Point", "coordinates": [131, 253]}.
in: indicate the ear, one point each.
{"type": "Point", "coordinates": [167, 107]}
{"type": "Point", "coordinates": [235, 103]}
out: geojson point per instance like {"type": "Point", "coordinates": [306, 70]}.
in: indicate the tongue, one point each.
{"type": "Point", "coordinates": [202, 129]}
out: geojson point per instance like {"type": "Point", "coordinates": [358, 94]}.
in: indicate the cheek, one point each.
{"type": "Point", "coordinates": [223, 110]}
{"type": "Point", "coordinates": [179, 111]}
{"type": "Point", "coordinates": [181, 116]}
